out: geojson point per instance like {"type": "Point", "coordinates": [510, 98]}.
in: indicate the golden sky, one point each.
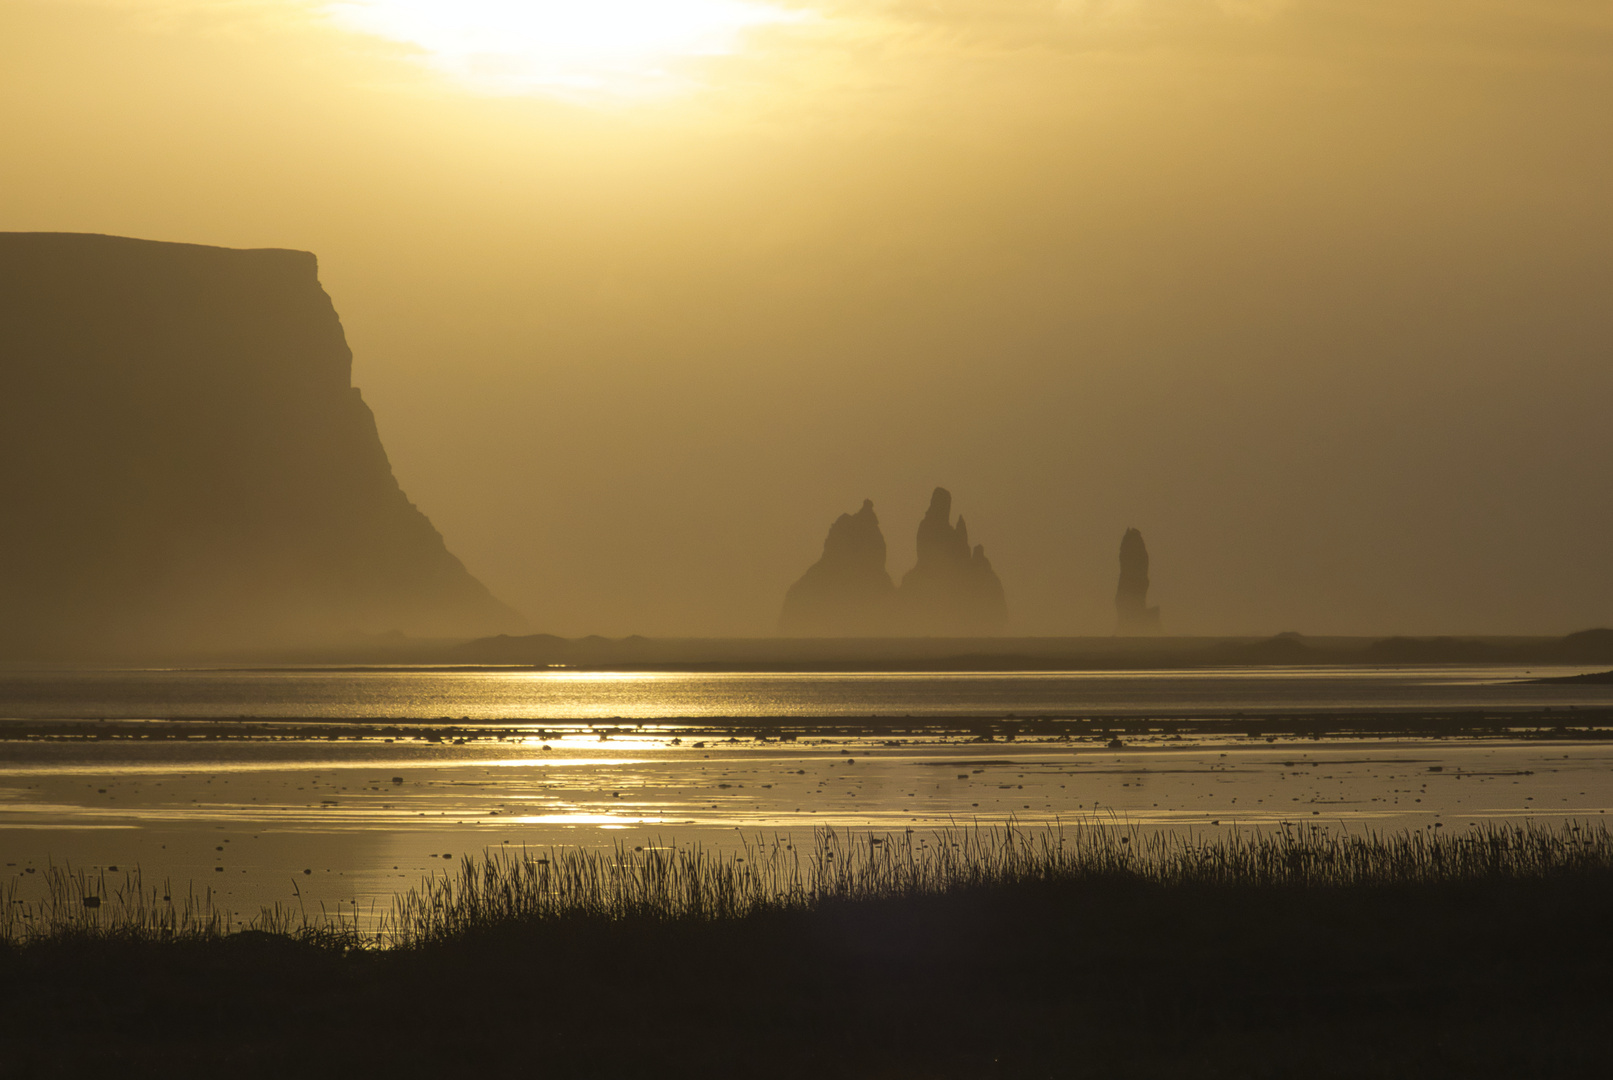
{"type": "Point", "coordinates": [1313, 292]}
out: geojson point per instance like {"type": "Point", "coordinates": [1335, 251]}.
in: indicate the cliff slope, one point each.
{"type": "Point", "coordinates": [184, 463]}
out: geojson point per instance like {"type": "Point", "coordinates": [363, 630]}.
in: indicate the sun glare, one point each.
{"type": "Point", "coordinates": [618, 49]}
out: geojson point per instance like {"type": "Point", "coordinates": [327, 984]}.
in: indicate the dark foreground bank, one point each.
{"type": "Point", "coordinates": [1102, 974]}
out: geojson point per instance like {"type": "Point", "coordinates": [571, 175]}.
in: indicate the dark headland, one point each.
{"type": "Point", "coordinates": [189, 466]}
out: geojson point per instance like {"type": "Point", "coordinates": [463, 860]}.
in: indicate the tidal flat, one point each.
{"type": "Point", "coordinates": [334, 788]}
{"type": "Point", "coordinates": [343, 815]}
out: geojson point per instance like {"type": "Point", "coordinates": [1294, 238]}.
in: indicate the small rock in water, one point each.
{"type": "Point", "coordinates": [92, 901]}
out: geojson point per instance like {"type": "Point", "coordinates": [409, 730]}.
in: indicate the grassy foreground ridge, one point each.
{"type": "Point", "coordinates": [1091, 949]}
{"type": "Point", "coordinates": [506, 888]}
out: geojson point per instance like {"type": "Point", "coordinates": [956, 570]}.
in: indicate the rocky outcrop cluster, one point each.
{"type": "Point", "coordinates": [951, 590]}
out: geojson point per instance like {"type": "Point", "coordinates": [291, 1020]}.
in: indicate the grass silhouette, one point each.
{"type": "Point", "coordinates": [506, 888]}
{"type": "Point", "coordinates": [1093, 949]}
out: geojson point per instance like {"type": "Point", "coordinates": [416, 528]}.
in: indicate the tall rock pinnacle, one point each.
{"type": "Point", "coordinates": [952, 589]}
{"type": "Point", "coordinates": [847, 592]}
{"type": "Point", "coordinates": [1133, 616]}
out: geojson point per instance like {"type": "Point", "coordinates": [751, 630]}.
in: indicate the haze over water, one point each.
{"type": "Point", "coordinates": [570, 695]}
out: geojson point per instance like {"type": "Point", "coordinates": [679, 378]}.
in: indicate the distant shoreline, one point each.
{"type": "Point", "coordinates": [1598, 678]}
{"type": "Point", "coordinates": [1586, 648]}
{"type": "Point", "coordinates": [1569, 722]}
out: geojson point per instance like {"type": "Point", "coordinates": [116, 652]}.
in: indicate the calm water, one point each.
{"type": "Point", "coordinates": [506, 695]}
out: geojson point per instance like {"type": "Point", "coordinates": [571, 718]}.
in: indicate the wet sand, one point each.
{"type": "Point", "coordinates": [263, 814]}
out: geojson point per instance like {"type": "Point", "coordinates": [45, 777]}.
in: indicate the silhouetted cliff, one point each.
{"type": "Point", "coordinates": [952, 590]}
{"type": "Point", "coordinates": [184, 463]}
{"type": "Point", "coordinates": [847, 592]}
{"type": "Point", "coordinates": [1133, 615]}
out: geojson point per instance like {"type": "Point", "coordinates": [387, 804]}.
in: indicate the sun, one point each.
{"type": "Point", "coordinates": [613, 49]}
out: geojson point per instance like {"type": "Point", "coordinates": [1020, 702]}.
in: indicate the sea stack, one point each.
{"type": "Point", "coordinates": [187, 467]}
{"type": "Point", "coordinates": [1134, 618]}
{"type": "Point", "coordinates": [847, 592]}
{"type": "Point", "coordinates": [952, 590]}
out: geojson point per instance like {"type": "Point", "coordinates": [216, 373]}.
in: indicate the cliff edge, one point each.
{"type": "Point", "coordinates": [186, 465]}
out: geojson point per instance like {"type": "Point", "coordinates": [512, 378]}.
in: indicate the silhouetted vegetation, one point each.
{"type": "Point", "coordinates": [509, 887]}
{"type": "Point", "coordinates": [1089, 951]}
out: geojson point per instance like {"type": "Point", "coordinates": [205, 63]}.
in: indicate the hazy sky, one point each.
{"type": "Point", "coordinates": [1316, 293]}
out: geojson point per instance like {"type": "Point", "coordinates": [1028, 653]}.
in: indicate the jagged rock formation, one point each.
{"type": "Point", "coordinates": [952, 590]}
{"type": "Point", "coordinates": [847, 592]}
{"type": "Point", "coordinates": [185, 465]}
{"type": "Point", "coordinates": [1133, 615]}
